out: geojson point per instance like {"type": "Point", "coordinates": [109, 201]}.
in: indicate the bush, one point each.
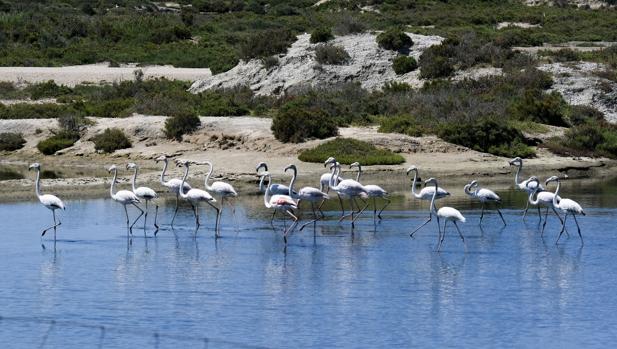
{"type": "Point", "coordinates": [394, 39]}
{"type": "Point", "coordinates": [10, 141]}
{"type": "Point", "coordinates": [270, 62]}
{"type": "Point", "coordinates": [541, 107]}
{"type": "Point", "coordinates": [347, 151]}
{"type": "Point", "coordinates": [348, 24]}
{"type": "Point", "coordinates": [57, 142]}
{"type": "Point", "coordinates": [34, 111]}
{"type": "Point", "coordinates": [330, 54]}
{"type": "Point", "coordinates": [404, 64]}
{"type": "Point", "coordinates": [435, 67]}
{"type": "Point", "coordinates": [181, 124]}
{"type": "Point", "coordinates": [404, 124]}
{"type": "Point", "coordinates": [111, 140]}
{"type": "Point", "coordinates": [581, 114]}
{"type": "Point", "coordinates": [113, 108]}
{"type": "Point", "coordinates": [589, 139]}
{"type": "Point", "coordinates": [321, 34]}
{"type": "Point", "coordinates": [295, 122]}
{"type": "Point", "coordinates": [266, 43]}
{"type": "Point", "coordinates": [47, 89]}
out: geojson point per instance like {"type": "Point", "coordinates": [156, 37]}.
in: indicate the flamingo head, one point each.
{"type": "Point", "coordinates": [552, 179]}
{"type": "Point", "coordinates": [161, 158]}
{"type": "Point", "coordinates": [473, 183]}
{"type": "Point", "coordinates": [355, 164]}
{"type": "Point", "coordinates": [411, 169]}
{"type": "Point", "coordinates": [517, 161]}
{"type": "Point", "coordinates": [131, 165]}
{"type": "Point", "coordinates": [531, 180]}
{"type": "Point", "coordinates": [112, 168]}
{"type": "Point", "coordinates": [430, 181]}
{"type": "Point", "coordinates": [330, 160]}
{"type": "Point", "coordinates": [36, 166]}
{"type": "Point", "coordinates": [261, 165]}
{"type": "Point", "coordinates": [182, 162]}
{"type": "Point", "coordinates": [290, 167]}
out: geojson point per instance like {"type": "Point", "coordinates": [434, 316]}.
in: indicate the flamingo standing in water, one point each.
{"type": "Point", "coordinates": [282, 203]}
{"type": "Point", "coordinates": [347, 189]}
{"type": "Point", "coordinates": [124, 197]}
{"type": "Point", "coordinates": [425, 194]}
{"type": "Point", "coordinates": [544, 198]}
{"type": "Point", "coordinates": [174, 184]}
{"type": "Point", "coordinates": [483, 195]}
{"type": "Point", "coordinates": [144, 193]}
{"type": "Point", "coordinates": [518, 162]}
{"type": "Point", "coordinates": [224, 191]}
{"type": "Point", "coordinates": [195, 196]}
{"type": "Point", "coordinates": [276, 188]}
{"type": "Point", "coordinates": [324, 180]}
{"type": "Point", "coordinates": [448, 214]}
{"type": "Point", "coordinates": [310, 194]}
{"type": "Point", "coordinates": [373, 191]}
{"type": "Point", "coordinates": [52, 202]}
{"type": "Point", "coordinates": [567, 206]}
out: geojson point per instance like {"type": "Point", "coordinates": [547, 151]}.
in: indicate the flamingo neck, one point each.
{"type": "Point", "coordinates": [534, 192]}
{"type": "Point", "coordinates": [518, 171]}
{"type": "Point", "coordinates": [413, 185]}
{"type": "Point", "coordinates": [468, 191]}
{"type": "Point", "coordinates": [163, 173]}
{"type": "Point", "coordinates": [293, 181]}
{"type": "Point", "coordinates": [113, 185]}
{"type": "Point", "coordinates": [134, 179]}
{"type": "Point", "coordinates": [37, 185]}
{"type": "Point", "coordinates": [208, 175]}
{"type": "Point", "coordinates": [555, 203]}
{"type": "Point", "coordinates": [261, 183]}
{"type": "Point", "coordinates": [336, 170]}
{"type": "Point", "coordinates": [432, 208]}
{"type": "Point", "coordinates": [184, 194]}
{"type": "Point", "coordinates": [267, 192]}
{"type": "Point", "coordinates": [359, 174]}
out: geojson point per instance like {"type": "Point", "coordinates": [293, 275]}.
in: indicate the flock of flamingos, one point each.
{"type": "Point", "coordinates": [285, 199]}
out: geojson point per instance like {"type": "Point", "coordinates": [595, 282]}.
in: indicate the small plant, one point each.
{"type": "Point", "coordinates": [331, 54]}
{"type": "Point", "coordinates": [179, 125]}
{"type": "Point", "coordinates": [321, 34]}
{"type": "Point", "coordinates": [348, 24]}
{"type": "Point", "coordinates": [10, 141]}
{"type": "Point", "coordinates": [295, 122]}
{"type": "Point", "coordinates": [59, 141]}
{"type": "Point", "coordinates": [404, 124]}
{"type": "Point", "coordinates": [9, 173]}
{"type": "Point", "coordinates": [394, 39]}
{"type": "Point", "coordinates": [111, 140]}
{"type": "Point", "coordinates": [347, 151]}
{"type": "Point", "coordinates": [404, 64]}
{"type": "Point", "coordinates": [47, 89]}
{"type": "Point", "coordinates": [270, 62]}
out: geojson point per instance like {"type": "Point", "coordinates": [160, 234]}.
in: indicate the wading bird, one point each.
{"type": "Point", "coordinates": [224, 191]}
{"type": "Point", "coordinates": [425, 194]}
{"type": "Point", "coordinates": [373, 191]}
{"type": "Point", "coordinates": [195, 196]}
{"type": "Point", "coordinates": [144, 193]}
{"type": "Point", "coordinates": [282, 203]}
{"type": "Point", "coordinates": [518, 162]}
{"type": "Point", "coordinates": [173, 184]}
{"type": "Point", "coordinates": [347, 189]}
{"type": "Point", "coordinates": [52, 202]}
{"type": "Point", "coordinates": [567, 206]}
{"type": "Point", "coordinates": [483, 195]}
{"type": "Point", "coordinates": [324, 180]}
{"type": "Point", "coordinates": [448, 214]}
{"type": "Point", "coordinates": [276, 188]}
{"type": "Point", "coordinates": [543, 198]}
{"type": "Point", "coordinates": [124, 197]}
{"type": "Point", "coordinates": [310, 194]}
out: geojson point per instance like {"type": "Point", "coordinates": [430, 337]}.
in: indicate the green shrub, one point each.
{"type": "Point", "coordinates": [562, 55]}
{"type": "Point", "coordinates": [435, 67]}
{"type": "Point", "coordinates": [581, 114]}
{"type": "Point", "coordinates": [10, 141]}
{"type": "Point", "coordinates": [295, 122]}
{"type": "Point", "coordinates": [347, 24]}
{"type": "Point", "coordinates": [35, 111]}
{"type": "Point", "coordinates": [404, 64]}
{"type": "Point", "coordinates": [321, 34]}
{"type": "Point", "coordinates": [111, 140]}
{"type": "Point", "coordinates": [59, 141]}
{"type": "Point", "coordinates": [266, 43]}
{"type": "Point", "coordinates": [394, 39]}
{"type": "Point", "coordinates": [113, 108]}
{"type": "Point", "coordinates": [589, 139]}
{"type": "Point", "coordinates": [404, 124]}
{"type": "Point", "coordinates": [8, 173]}
{"type": "Point", "coordinates": [347, 151]}
{"type": "Point", "coordinates": [546, 108]}
{"type": "Point", "coordinates": [270, 62]}
{"type": "Point", "coordinates": [47, 89]}
{"type": "Point", "coordinates": [181, 124]}
{"type": "Point", "coordinates": [331, 54]}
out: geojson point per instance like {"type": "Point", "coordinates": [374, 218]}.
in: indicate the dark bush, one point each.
{"type": "Point", "coordinates": [296, 122]}
{"type": "Point", "coordinates": [545, 108]}
{"type": "Point", "coordinates": [112, 108]}
{"type": "Point", "coordinates": [10, 141]}
{"type": "Point", "coordinates": [270, 62]}
{"type": "Point", "coordinates": [581, 114]}
{"type": "Point", "coordinates": [321, 34]}
{"type": "Point", "coordinates": [57, 142]}
{"type": "Point", "coordinates": [394, 39]}
{"type": "Point", "coordinates": [405, 124]}
{"type": "Point", "coordinates": [181, 124]}
{"type": "Point", "coordinates": [436, 67]}
{"type": "Point", "coordinates": [47, 89]}
{"type": "Point", "coordinates": [111, 140]}
{"type": "Point", "coordinates": [348, 24]}
{"type": "Point", "coordinates": [347, 151]}
{"type": "Point", "coordinates": [331, 54]}
{"type": "Point", "coordinates": [404, 64]}
{"type": "Point", "coordinates": [266, 43]}
{"type": "Point", "coordinates": [34, 111]}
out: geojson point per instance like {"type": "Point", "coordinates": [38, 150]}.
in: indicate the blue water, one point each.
{"type": "Point", "coordinates": [375, 288]}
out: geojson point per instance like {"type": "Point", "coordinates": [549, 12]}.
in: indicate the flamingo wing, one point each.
{"type": "Point", "coordinates": [146, 193]}
{"type": "Point", "coordinates": [52, 202]}
{"type": "Point", "coordinates": [224, 189]}
{"type": "Point", "coordinates": [451, 213]}
{"type": "Point", "coordinates": [308, 193]}
{"type": "Point", "coordinates": [488, 195]}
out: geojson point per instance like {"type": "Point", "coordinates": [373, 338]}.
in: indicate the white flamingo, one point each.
{"type": "Point", "coordinates": [276, 188]}
{"type": "Point", "coordinates": [324, 180]}
{"type": "Point", "coordinates": [483, 195]}
{"type": "Point", "coordinates": [52, 202]}
{"type": "Point", "coordinates": [224, 191]}
{"type": "Point", "coordinates": [124, 197]}
{"type": "Point", "coordinates": [144, 193]}
{"type": "Point", "coordinates": [373, 191]}
{"type": "Point", "coordinates": [518, 162]}
{"type": "Point", "coordinates": [347, 189]}
{"type": "Point", "coordinates": [543, 198]}
{"type": "Point", "coordinates": [425, 194]}
{"type": "Point", "coordinates": [448, 214]}
{"type": "Point", "coordinates": [282, 203]}
{"type": "Point", "coordinates": [173, 185]}
{"type": "Point", "coordinates": [310, 194]}
{"type": "Point", "coordinates": [195, 196]}
{"type": "Point", "coordinates": [567, 206]}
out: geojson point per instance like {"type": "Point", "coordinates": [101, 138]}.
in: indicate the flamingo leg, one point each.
{"type": "Point", "coordinates": [526, 209]}
{"type": "Point", "coordinates": [579, 229]}
{"type": "Point", "coordinates": [219, 213]}
{"type": "Point", "coordinates": [384, 207]}
{"type": "Point", "coordinates": [53, 212]}
{"type": "Point", "coordinates": [482, 214]}
{"type": "Point", "coordinates": [290, 229]}
{"type": "Point", "coordinates": [430, 217]}
{"type": "Point", "coordinates": [195, 213]}
{"type": "Point", "coordinates": [459, 233]}
{"type": "Point", "coordinates": [546, 220]}
{"type": "Point", "coordinates": [316, 218]}
{"type": "Point", "coordinates": [127, 217]}
{"type": "Point", "coordinates": [272, 218]}
{"type": "Point", "coordinates": [560, 220]}
{"type": "Point", "coordinates": [442, 235]}
{"type": "Point", "coordinates": [500, 215]}
{"type": "Point", "coordinates": [360, 212]}
{"type": "Point", "coordinates": [176, 210]}
{"type": "Point", "coordinates": [156, 213]}
{"type": "Point", "coordinates": [563, 227]}
{"type": "Point", "coordinates": [138, 217]}
{"type": "Point", "coordinates": [216, 224]}
{"type": "Point", "coordinates": [539, 214]}
{"type": "Point", "coordinates": [342, 208]}
{"type": "Point", "coordinates": [146, 215]}
{"type": "Point", "coordinates": [374, 208]}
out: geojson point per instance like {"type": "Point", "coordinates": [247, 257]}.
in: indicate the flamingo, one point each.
{"type": "Point", "coordinates": [310, 194]}
{"type": "Point", "coordinates": [518, 162]}
{"type": "Point", "coordinates": [449, 214]}
{"type": "Point", "coordinates": [373, 191]}
{"type": "Point", "coordinates": [348, 189]}
{"type": "Point", "coordinates": [324, 180]}
{"type": "Point", "coordinates": [223, 190]}
{"type": "Point", "coordinates": [124, 197]}
{"type": "Point", "coordinates": [52, 202]}
{"type": "Point", "coordinates": [276, 189]}
{"type": "Point", "coordinates": [144, 193]}
{"type": "Point", "coordinates": [483, 195]}
{"type": "Point", "coordinates": [425, 194]}
{"type": "Point", "coordinates": [283, 203]}
{"type": "Point", "coordinates": [173, 184]}
{"type": "Point", "coordinates": [567, 206]}
{"type": "Point", "coordinates": [544, 198]}
{"type": "Point", "coordinates": [195, 196]}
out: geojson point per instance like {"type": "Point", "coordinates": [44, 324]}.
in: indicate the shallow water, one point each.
{"type": "Point", "coordinates": [375, 288]}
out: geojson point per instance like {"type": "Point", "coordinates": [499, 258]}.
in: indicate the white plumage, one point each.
{"type": "Point", "coordinates": [52, 202]}
{"type": "Point", "coordinates": [373, 191]}
{"type": "Point", "coordinates": [195, 196]}
{"type": "Point", "coordinates": [223, 190]}
{"type": "Point", "coordinates": [346, 189]}
{"type": "Point", "coordinates": [483, 195]}
{"type": "Point", "coordinates": [310, 194]}
{"type": "Point", "coordinates": [543, 198]}
{"type": "Point", "coordinates": [124, 197]}
{"type": "Point", "coordinates": [173, 185]}
{"type": "Point", "coordinates": [425, 194]}
{"type": "Point", "coordinates": [144, 193]}
{"type": "Point", "coordinates": [567, 206]}
{"type": "Point", "coordinates": [448, 214]}
{"type": "Point", "coordinates": [282, 203]}
{"type": "Point", "coordinates": [518, 162]}
{"type": "Point", "coordinates": [275, 188]}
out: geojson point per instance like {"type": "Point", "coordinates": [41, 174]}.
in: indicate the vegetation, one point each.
{"type": "Point", "coordinates": [10, 141]}
{"type": "Point", "coordinates": [58, 141]}
{"type": "Point", "coordinates": [111, 140]}
{"type": "Point", "coordinates": [321, 34]}
{"type": "Point", "coordinates": [296, 122]}
{"type": "Point", "coordinates": [404, 64]}
{"type": "Point", "coordinates": [331, 54]}
{"type": "Point", "coordinates": [8, 173]}
{"type": "Point", "coordinates": [394, 39]}
{"type": "Point", "coordinates": [179, 125]}
{"type": "Point", "coordinates": [347, 151]}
